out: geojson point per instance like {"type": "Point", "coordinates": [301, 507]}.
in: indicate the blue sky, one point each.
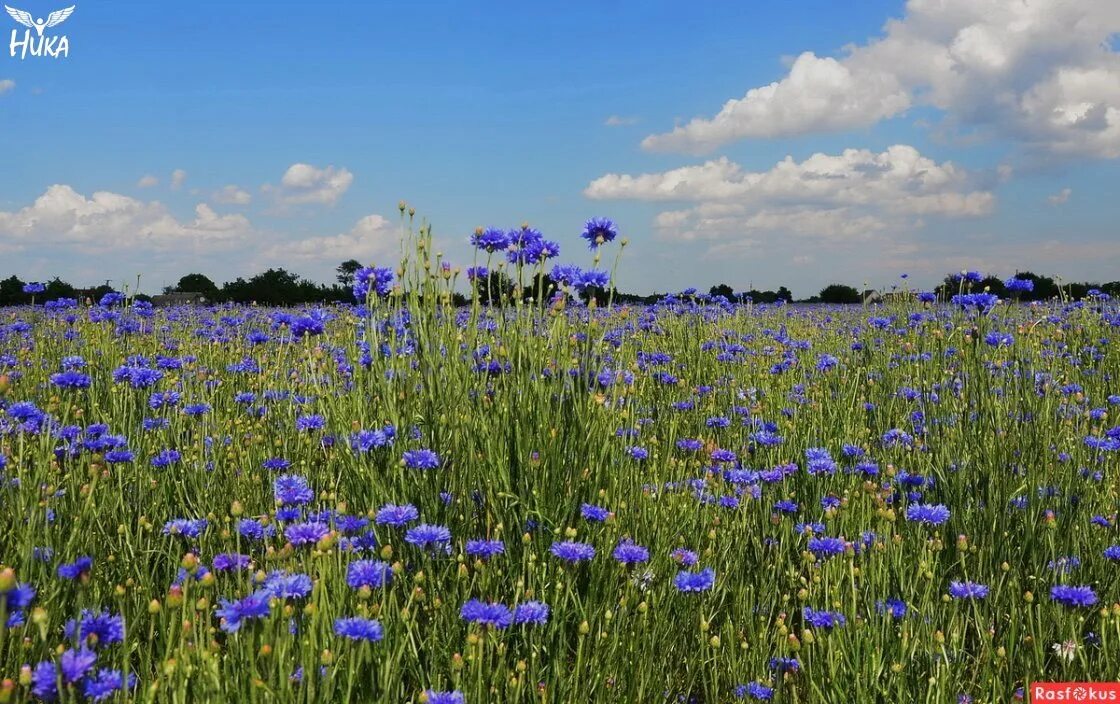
{"type": "Point", "coordinates": [976, 134]}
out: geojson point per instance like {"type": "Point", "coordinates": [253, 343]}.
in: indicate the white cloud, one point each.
{"type": "Point", "coordinates": [1060, 197]}
{"type": "Point", "coordinates": [147, 181]}
{"type": "Point", "coordinates": [373, 236]}
{"type": "Point", "coordinates": [6, 85]}
{"type": "Point", "coordinates": [898, 180]}
{"type": "Point", "coordinates": [304, 183]}
{"type": "Point", "coordinates": [819, 94]}
{"type": "Point", "coordinates": [1040, 72]}
{"type": "Point", "coordinates": [178, 178]}
{"type": "Point", "coordinates": [620, 121]}
{"type": "Point", "coordinates": [857, 196]}
{"type": "Point", "coordinates": [105, 220]}
{"type": "Point", "coordinates": [232, 195]}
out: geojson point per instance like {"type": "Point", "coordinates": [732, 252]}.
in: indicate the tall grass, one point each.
{"type": "Point", "coordinates": [536, 408]}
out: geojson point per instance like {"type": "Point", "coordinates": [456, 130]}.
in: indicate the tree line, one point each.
{"type": "Point", "coordinates": [280, 287]}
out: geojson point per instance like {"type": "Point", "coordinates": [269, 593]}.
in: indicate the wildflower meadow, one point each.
{"type": "Point", "coordinates": [531, 498]}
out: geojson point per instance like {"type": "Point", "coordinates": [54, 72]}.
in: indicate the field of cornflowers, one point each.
{"type": "Point", "coordinates": [403, 501]}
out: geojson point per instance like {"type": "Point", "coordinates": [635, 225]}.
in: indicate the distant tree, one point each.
{"type": "Point", "coordinates": [993, 284]}
{"type": "Point", "coordinates": [540, 285]}
{"type": "Point", "coordinates": [346, 271]}
{"type": "Point", "coordinates": [494, 288]}
{"type": "Point", "coordinates": [784, 294]}
{"type": "Point", "coordinates": [11, 291]}
{"type": "Point", "coordinates": [722, 290]}
{"type": "Point", "coordinates": [198, 283]}
{"type": "Point", "coordinates": [839, 293]}
{"type": "Point", "coordinates": [1044, 287]}
{"type": "Point", "coordinates": [57, 288]}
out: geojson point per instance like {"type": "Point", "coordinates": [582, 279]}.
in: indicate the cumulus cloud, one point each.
{"type": "Point", "coordinates": [373, 236]}
{"type": "Point", "coordinates": [1043, 73]}
{"type": "Point", "coordinates": [1060, 197]}
{"type": "Point", "coordinates": [147, 181]}
{"type": "Point", "coordinates": [857, 195]}
{"type": "Point", "coordinates": [232, 195]}
{"type": "Point", "coordinates": [111, 221]}
{"type": "Point", "coordinates": [899, 179]}
{"type": "Point", "coordinates": [178, 178]}
{"type": "Point", "coordinates": [6, 85]}
{"type": "Point", "coordinates": [304, 183]}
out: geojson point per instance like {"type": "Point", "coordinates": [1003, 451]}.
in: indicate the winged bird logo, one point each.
{"type": "Point", "coordinates": [55, 18]}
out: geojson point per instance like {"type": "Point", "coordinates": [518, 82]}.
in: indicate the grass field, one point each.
{"type": "Point", "coordinates": [402, 501]}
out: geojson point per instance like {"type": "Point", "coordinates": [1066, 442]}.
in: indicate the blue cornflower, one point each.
{"type": "Point", "coordinates": [428, 536]}
{"type": "Point", "coordinates": [96, 629]}
{"type": "Point", "coordinates": [896, 608]}
{"type": "Point", "coordinates": [166, 458]}
{"type": "Point", "coordinates": [231, 562]}
{"type": "Point", "coordinates": [368, 573]}
{"type": "Point", "coordinates": [934, 514]}
{"type": "Point", "coordinates": [685, 557]}
{"type": "Point", "coordinates": [379, 280]}
{"type": "Point", "coordinates": [105, 683]}
{"type": "Point", "coordinates": [452, 697]}
{"type": "Point", "coordinates": [291, 490]}
{"type": "Point", "coordinates": [491, 239]}
{"type": "Point", "coordinates": [234, 613]}
{"type": "Point", "coordinates": [756, 691]}
{"type": "Point", "coordinates": [596, 514]}
{"type": "Point", "coordinates": [967, 590]}
{"type": "Point", "coordinates": [572, 551]}
{"type": "Point", "coordinates": [71, 380]}
{"type": "Point", "coordinates": [599, 231]}
{"type": "Point", "coordinates": [1112, 552]}
{"type": "Point", "coordinates": [421, 459]}
{"type": "Point", "coordinates": [1073, 596]}
{"type": "Point", "coordinates": [493, 615]}
{"type": "Point", "coordinates": [306, 533]}
{"type": "Point", "coordinates": [311, 422]}
{"type": "Point", "coordinates": [355, 628]}
{"type": "Point", "coordinates": [825, 547]}
{"type": "Point", "coordinates": [186, 527]}
{"type": "Point", "coordinates": [396, 516]}
{"type": "Point", "coordinates": [700, 581]}
{"type": "Point", "coordinates": [76, 569]}
{"type": "Point", "coordinates": [628, 553]}
{"type": "Point", "coordinates": [283, 585]}
{"type": "Point", "coordinates": [254, 530]}
{"type": "Point", "coordinates": [485, 549]}
{"type": "Point", "coordinates": [349, 525]}
{"type": "Point", "coordinates": [531, 612]}
{"type": "Point", "coordinates": [823, 619]}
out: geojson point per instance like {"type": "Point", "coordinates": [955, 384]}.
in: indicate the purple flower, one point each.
{"type": "Point", "coordinates": [396, 516]}
{"type": "Point", "coordinates": [355, 628]}
{"type": "Point", "coordinates": [967, 590]}
{"type": "Point", "coordinates": [493, 615]}
{"type": "Point", "coordinates": [695, 581]}
{"type": "Point", "coordinates": [1073, 596]}
{"type": "Point", "coordinates": [572, 551]}
{"type": "Point", "coordinates": [531, 612]}
{"type": "Point", "coordinates": [934, 514]}
{"type": "Point", "coordinates": [368, 573]}
{"type": "Point", "coordinates": [306, 533]}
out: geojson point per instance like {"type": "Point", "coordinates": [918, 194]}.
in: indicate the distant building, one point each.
{"type": "Point", "coordinates": [178, 298]}
{"type": "Point", "coordinates": [871, 296]}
